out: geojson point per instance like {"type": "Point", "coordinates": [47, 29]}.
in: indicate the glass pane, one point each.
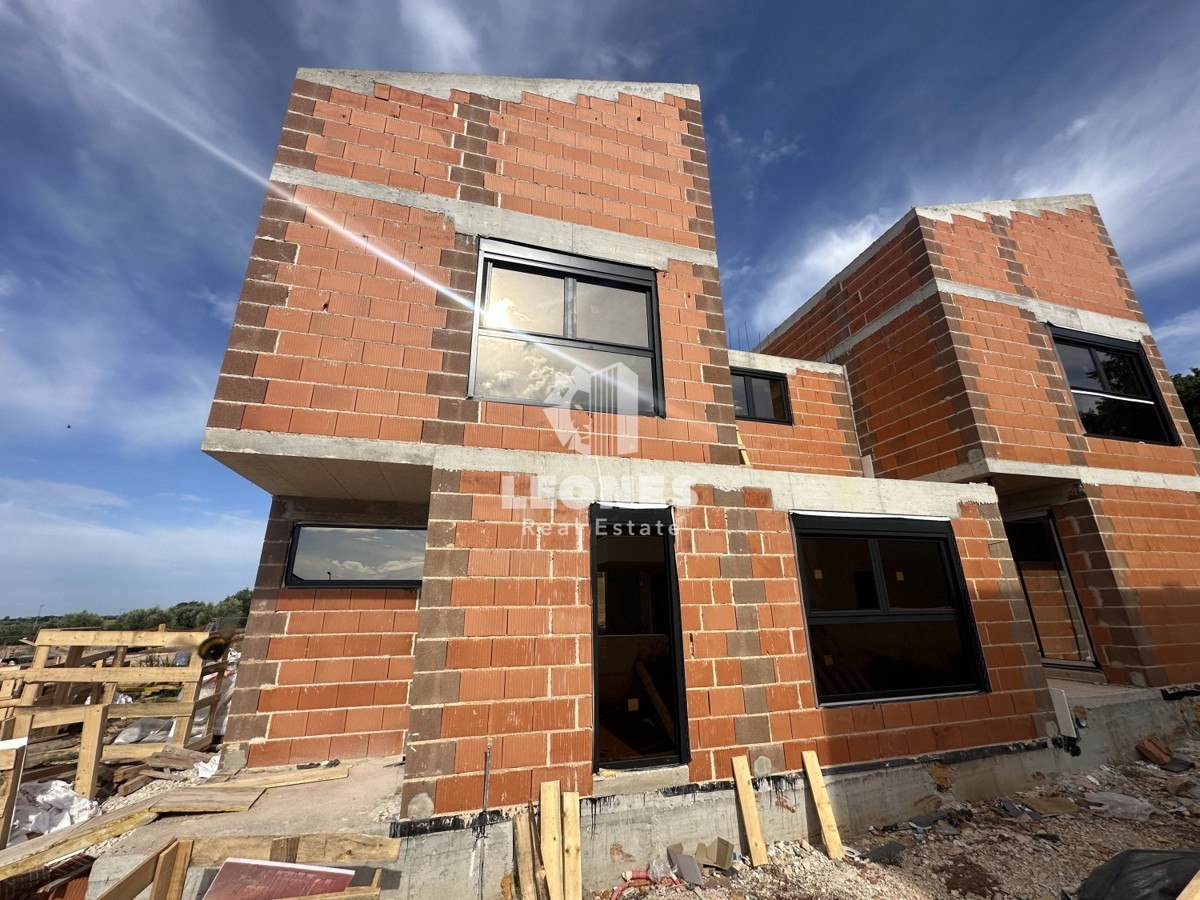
{"type": "Point", "coordinates": [1031, 541]}
{"type": "Point", "coordinates": [838, 574]}
{"type": "Point", "coordinates": [571, 377]}
{"type": "Point", "coordinates": [894, 658]}
{"type": "Point", "coordinates": [914, 574]}
{"type": "Point", "coordinates": [778, 399]}
{"type": "Point", "coordinates": [611, 314]}
{"type": "Point", "coordinates": [1122, 373]}
{"type": "Point", "coordinates": [1110, 417]}
{"type": "Point", "coordinates": [740, 405]}
{"type": "Point", "coordinates": [760, 396]}
{"type": "Point", "coordinates": [333, 554]}
{"type": "Point", "coordinates": [1079, 367]}
{"type": "Point", "coordinates": [523, 301]}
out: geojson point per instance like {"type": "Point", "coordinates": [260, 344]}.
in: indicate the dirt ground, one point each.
{"type": "Point", "coordinates": [980, 852]}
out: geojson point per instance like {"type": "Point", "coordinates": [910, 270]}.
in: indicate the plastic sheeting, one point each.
{"type": "Point", "coordinates": [45, 806]}
{"type": "Point", "coordinates": [1142, 875]}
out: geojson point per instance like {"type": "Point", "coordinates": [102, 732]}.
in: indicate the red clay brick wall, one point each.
{"type": "Point", "coordinates": [325, 673]}
{"type": "Point", "coordinates": [1023, 403]}
{"type": "Point", "coordinates": [336, 338]}
{"type": "Point", "coordinates": [821, 437]}
{"type": "Point", "coordinates": [508, 651]}
{"type": "Point", "coordinates": [1133, 552]}
{"type": "Point", "coordinates": [1065, 258]}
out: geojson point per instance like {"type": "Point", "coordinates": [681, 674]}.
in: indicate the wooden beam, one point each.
{"type": "Point", "coordinates": [171, 871]}
{"type": "Point", "coordinates": [69, 637]}
{"type": "Point", "coordinates": [572, 865]}
{"type": "Point", "coordinates": [91, 748]}
{"type": "Point", "coordinates": [829, 827]}
{"type": "Point", "coordinates": [523, 850]}
{"type": "Point", "coordinates": [126, 675]}
{"type": "Point", "coordinates": [284, 779]}
{"type": "Point", "coordinates": [38, 852]}
{"type": "Point", "coordinates": [749, 808]}
{"type": "Point", "coordinates": [12, 763]}
{"type": "Point", "coordinates": [137, 879]}
{"type": "Point", "coordinates": [550, 819]}
{"type": "Point", "coordinates": [1192, 891]}
{"type": "Point", "coordinates": [310, 848]}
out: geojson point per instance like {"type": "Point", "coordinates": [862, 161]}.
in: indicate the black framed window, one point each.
{"type": "Point", "coordinates": [760, 396]}
{"type": "Point", "coordinates": [355, 556]}
{"type": "Point", "coordinates": [554, 329]}
{"type": "Point", "coordinates": [1113, 388]}
{"type": "Point", "coordinates": [887, 609]}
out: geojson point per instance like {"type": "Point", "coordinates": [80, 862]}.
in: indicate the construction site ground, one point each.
{"type": "Point", "coordinates": [990, 856]}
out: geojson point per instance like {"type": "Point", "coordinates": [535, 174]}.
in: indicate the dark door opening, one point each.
{"type": "Point", "coordinates": [637, 659]}
{"type": "Point", "coordinates": [1057, 617]}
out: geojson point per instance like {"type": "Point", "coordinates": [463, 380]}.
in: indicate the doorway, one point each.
{"type": "Point", "coordinates": [1053, 604]}
{"type": "Point", "coordinates": [637, 658]}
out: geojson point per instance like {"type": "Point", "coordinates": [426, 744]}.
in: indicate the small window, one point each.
{"type": "Point", "coordinates": [560, 330]}
{"type": "Point", "coordinates": [352, 556]}
{"type": "Point", "coordinates": [887, 609]}
{"type": "Point", "coordinates": [1113, 388]}
{"type": "Point", "coordinates": [760, 396]}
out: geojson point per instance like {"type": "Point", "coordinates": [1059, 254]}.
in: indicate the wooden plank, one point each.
{"type": "Point", "coordinates": [523, 849]}
{"type": "Point", "coordinates": [224, 798]}
{"type": "Point", "coordinates": [283, 779]}
{"type": "Point", "coordinates": [138, 878]}
{"type": "Point", "coordinates": [311, 848]}
{"type": "Point", "coordinates": [91, 748]}
{"type": "Point", "coordinates": [1192, 891]}
{"type": "Point", "coordinates": [829, 827]}
{"type": "Point", "coordinates": [38, 852]}
{"type": "Point", "coordinates": [133, 784]}
{"type": "Point", "coordinates": [350, 893]}
{"type": "Point", "coordinates": [539, 870]}
{"type": "Point", "coordinates": [140, 675]}
{"type": "Point", "coordinates": [550, 816]}
{"type": "Point", "coordinates": [11, 766]}
{"type": "Point", "coordinates": [746, 802]}
{"type": "Point", "coordinates": [69, 637]}
{"type": "Point", "coordinates": [171, 872]}
{"type": "Point", "coordinates": [572, 865]}
{"type": "Point", "coordinates": [285, 849]}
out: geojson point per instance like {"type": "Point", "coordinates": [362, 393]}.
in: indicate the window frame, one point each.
{"type": "Point", "coordinates": [875, 529]}
{"type": "Point", "coordinates": [1137, 353]}
{"type": "Point", "coordinates": [572, 267]}
{"type": "Point", "coordinates": [290, 580]}
{"type": "Point", "coordinates": [779, 377]}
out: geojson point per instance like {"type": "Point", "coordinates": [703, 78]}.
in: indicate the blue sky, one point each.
{"type": "Point", "coordinates": [135, 131]}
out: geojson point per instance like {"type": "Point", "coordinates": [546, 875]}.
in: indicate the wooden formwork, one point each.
{"type": "Point", "coordinates": [74, 679]}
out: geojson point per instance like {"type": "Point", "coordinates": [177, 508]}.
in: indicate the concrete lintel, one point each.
{"type": "Point", "coordinates": [981, 209]}
{"type": "Point", "coordinates": [498, 87]}
{"type": "Point", "coordinates": [845, 273]}
{"type": "Point", "coordinates": [490, 221]}
{"type": "Point", "coordinates": [1053, 313]}
{"type": "Point", "coordinates": [991, 468]}
{"type": "Point", "coordinates": [615, 479]}
{"type": "Point", "coordinates": [740, 359]}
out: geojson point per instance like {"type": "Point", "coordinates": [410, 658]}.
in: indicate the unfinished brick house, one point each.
{"type": "Point", "coordinates": [531, 513]}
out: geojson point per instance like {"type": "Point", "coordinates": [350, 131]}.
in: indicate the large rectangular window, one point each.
{"type": "Point", "coordinates": [1113, 388]}
{"type": "Point", "coordinates": [559, 330]}
{"type": "Point", "coordinates": [637, 660]}
{"type": "Point", "coordinates": [887, 609]}
{"type": "Point", "coordinates": [760, 396]}
{"type": "Point", "coordinates": [355, 556]}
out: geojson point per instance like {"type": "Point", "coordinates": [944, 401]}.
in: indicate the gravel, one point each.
{"type": "Point", "coordinates": [990, 856]}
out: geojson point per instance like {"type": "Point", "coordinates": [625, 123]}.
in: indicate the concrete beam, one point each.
{"type": "Point", "coordinates": [491, 221]}
{"type": "Point", "coordinates": [615, 479]}
{"type": "Point", "coordinates": [983, 469]}
{"type": "Point", "coordinates": [498, 87]}
{"type": "Point", "coordinates": [740, 359]}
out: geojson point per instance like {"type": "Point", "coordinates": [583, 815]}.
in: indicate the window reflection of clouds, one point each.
{"type": "Point", "coordinates": [358, 554]}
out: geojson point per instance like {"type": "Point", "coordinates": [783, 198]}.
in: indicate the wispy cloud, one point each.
{"type": "Point", "coordinates": [1130, 140]}
{"type": "Point", "coordinates": [754, 155]}
{"type": "Point", "coordinates": [1179, 340]}
{"type": "Point", "coordinates": [59, 548]}
{"type": "Point", "coordinates": [9, 283]}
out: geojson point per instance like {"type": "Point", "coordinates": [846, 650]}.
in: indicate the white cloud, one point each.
{"type": "Point", "coordinates": [811, 259]}
{"type": "Point", "coordinates": [754, 155]}
{"type": "Point", "coordinates": [57, 549]}
{"type": "Point", "coordinates": [1178, 340]}
{"type": "Point", "coordinates": [9, 283]}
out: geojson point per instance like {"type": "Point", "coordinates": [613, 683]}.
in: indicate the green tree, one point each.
{"type": "Point", "coordinates": [189, 615]}
{"type": "Point", "coordinates": [235, 607]}
{"type": "Point", "coordinates": [82, 619]}
{"type": "Point", "coordinates": [1188, 387]}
